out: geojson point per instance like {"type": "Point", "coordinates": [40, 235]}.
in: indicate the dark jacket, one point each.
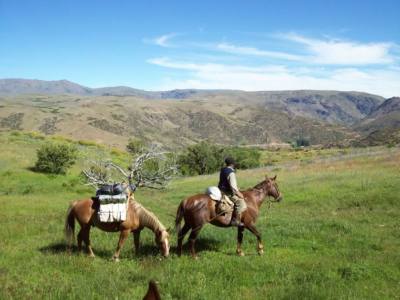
{"type": "Point", "coordinates": [224, 184]}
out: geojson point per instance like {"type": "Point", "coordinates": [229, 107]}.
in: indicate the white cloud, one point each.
{"type": "Point", "coordinates": [338, 52]}
{"type": "Point", "coordinates": [211, 67]}
{"type": "Point", "coordinates": [221, 76]}
{"type": "Point", "coordinates": [229, 48]}
{"type": "Point", "coordinates": [164, 39]}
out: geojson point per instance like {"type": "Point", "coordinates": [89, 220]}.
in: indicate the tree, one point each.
{"type": "Point", "coordinates": [302, 142]}
{"type": "Point", "coordinates": [206, 158]}
{"type": "Point", "coordinates": [201, 158]}
{"type": "Point", "coordinates": [55, 158]}
{"type": "Point", "coordinates": [246, 158]}
{"type": "Point", "coordinates": [152, 168]}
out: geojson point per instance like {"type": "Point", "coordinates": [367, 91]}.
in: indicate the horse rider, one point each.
{"type": "Point", "coordinates": [228, 185]}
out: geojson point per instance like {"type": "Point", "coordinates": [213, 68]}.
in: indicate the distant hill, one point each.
{"type": "Point", "coordinates": [180, 117]}
{"type": "Point", "coordinates": [11, 87]}
{"type": "Point", "coordinates": [382, 125]}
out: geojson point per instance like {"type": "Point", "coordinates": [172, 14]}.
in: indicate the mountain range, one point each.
{"type": "Point", "coordinates": [176, 118]}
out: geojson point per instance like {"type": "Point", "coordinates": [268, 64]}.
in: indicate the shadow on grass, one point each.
{"type": "Point", "coordinates": [61, 248]}
{"type": "Point", "coordinates": [202, 244]}
{"type": "Point", "coordinates": [145, 250]}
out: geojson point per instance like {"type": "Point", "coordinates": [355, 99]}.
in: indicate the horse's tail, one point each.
{"type": "Point", "coordinates": [69, 227]}
{"type": "Point", "coordinates": [179, 217]}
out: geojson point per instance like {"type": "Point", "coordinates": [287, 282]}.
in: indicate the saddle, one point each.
{"type": "Point", "coordinates": [110, 189]}
{"type": "Point", "coordinates": [223, 204]}
{"type": "Point", "coordinates": [113, 203]}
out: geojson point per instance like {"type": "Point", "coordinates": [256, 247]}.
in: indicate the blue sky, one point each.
{"type": "Point", "coordinates": [249, 45]}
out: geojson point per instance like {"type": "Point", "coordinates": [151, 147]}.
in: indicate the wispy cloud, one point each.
{"type": "Point", "coordinates": [223, 76]}
{"type": "Point", "coordinates": [306, 63]}
{"type": "Point", "coordinates": [211, 67]}
{"type": "Point", "coordinates": [339, 52]}
{"type": "Point", "coordinates": [243, 50]}
{"type": "Point", "coordinates": [163, 40]}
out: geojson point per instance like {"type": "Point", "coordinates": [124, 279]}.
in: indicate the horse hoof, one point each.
{"type": "Point", "coordinates": [92, 255]}
{"type": "Point", "coordinates": [195, 257]}
{"type": "Point", "coordinates": [240, 253]}
{"type": "Point", "coordinates": [260, 252]}
{"type": "Point", "coordinates": [115, 259]}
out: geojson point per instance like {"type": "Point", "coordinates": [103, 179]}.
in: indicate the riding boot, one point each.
{"type": "Point", "coordinates": [236, 219]}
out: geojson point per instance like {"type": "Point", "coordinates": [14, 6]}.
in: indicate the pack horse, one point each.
{"type": "Point", "coordinates": [124, 215]}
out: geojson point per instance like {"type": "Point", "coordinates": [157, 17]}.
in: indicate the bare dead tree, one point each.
{"type": "Point", "coordinates": [152, 168]}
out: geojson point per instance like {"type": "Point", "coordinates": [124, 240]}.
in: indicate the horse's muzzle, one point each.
{"type": "Point", "coordinates": [280, 198]}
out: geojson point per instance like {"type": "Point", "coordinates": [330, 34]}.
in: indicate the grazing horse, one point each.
{"type": "Point", "coordinates": [85, 212]}
{"type": "Point", "coordinates": [200, 209]}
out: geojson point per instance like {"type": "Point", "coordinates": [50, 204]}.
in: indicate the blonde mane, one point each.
{"type": "Point", "coordinates": [147, 218]}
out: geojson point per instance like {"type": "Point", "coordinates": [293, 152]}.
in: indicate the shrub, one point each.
{"type": "Point", "coordinates": [201, 158]}
{"type": "Point", "coordinates": [207, 158]}
{"type": "Point", "coordinates": [246, 158]}
{"type": "Point", "coordinates": [135, 146]}
{"type": "Point", "coordinates": [302, 142]}
{"type": "Point", "coordinates": [55, 158]}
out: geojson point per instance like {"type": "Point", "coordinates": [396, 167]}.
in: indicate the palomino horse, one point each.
{"type": "Point", "coordinates": [199, 209]}
{"type": "Point", "coordinates": [85, 211]}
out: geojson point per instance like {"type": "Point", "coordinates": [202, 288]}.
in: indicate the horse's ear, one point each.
{"type": "Point", "coordinates": [274, 178]}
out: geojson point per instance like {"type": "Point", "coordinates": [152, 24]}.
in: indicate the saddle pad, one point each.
{"type": "Point", "coordinates": [214, 193]}
{"type": "Point", "coordinates": [113, 212]}
{"type": "Point", "coordinates": [108, 199]}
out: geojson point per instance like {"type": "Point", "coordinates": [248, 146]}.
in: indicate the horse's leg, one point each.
{"type": "Point", "coordinates": [122, 237]}
{"type": "Point", "coordinates": [136, 239]}
{"type": "Point", "coordinates": [181, 236]}
{"type": "Point", "coordinates": [79, 239]}
{"type": "Point", "coordinates": [86, 239]}
{"type": "Point", "coordinates": [239, 241]}
{"type": "Point", "coordinates": [253, 230]}
{"type": "Point", "coordinates": [192, 240]}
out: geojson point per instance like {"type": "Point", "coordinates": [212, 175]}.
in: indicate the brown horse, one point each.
{"type": "Point", "coordinates": [200, 209]}
{"type": "Point", "coordinates": [85, 211]}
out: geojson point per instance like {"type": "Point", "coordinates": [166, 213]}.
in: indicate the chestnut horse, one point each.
{"type": "Point", "coordinates": [85, 212]}
{"type": "Point", "coordinates": [199, 209]}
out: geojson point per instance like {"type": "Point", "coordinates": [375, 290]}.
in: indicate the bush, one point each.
{"type": "Point", "coordinates": [55, 158]}
{"type": "Point", "coordinates": [246, 158]}
{"type": "Point", "coordinates": [207, 158]}
{"type": "Point", "coordinates": [135, 146]}
{"type": "Point", "coordinates": [199, 159]}
{"type": "Point", "coordinates": [302, 142]}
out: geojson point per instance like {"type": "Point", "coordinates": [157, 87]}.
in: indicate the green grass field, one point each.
{"type": "Point", "coordinates": [336, 235]}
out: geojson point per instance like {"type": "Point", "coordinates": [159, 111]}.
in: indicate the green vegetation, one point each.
{"type": "Point", "coordinates": [55, 158]}
{"type": "Point", "coordinates": [335, 235]}
{"type": "Point", "coordinates": [302, 142]}
{"type": "Point", "coordinates": [206, 158]}
{"type": "Point", "coordinates": [201, 158]}
{"type": "Point", "coordinates": [135, 146]}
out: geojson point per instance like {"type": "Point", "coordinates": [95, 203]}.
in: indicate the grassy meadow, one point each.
{"type": "Point", "coordinates": [336, 235]}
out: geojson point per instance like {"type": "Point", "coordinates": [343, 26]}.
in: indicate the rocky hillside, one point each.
{"type": "Point", "coordinates": [382, 125]}
{"type": "Point", "coordinates": [181, 117]}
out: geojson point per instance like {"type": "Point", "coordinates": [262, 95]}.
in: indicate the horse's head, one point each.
{"type": "Point", "coordinates": [272, 188]}
{"type": "Point", "coordinates": [162, 240]}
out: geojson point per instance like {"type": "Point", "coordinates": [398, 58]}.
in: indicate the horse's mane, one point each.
{"type": "Point", "coordinates": [147, 218]}
{"type": "Point", "coordinates": [258, 186]}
